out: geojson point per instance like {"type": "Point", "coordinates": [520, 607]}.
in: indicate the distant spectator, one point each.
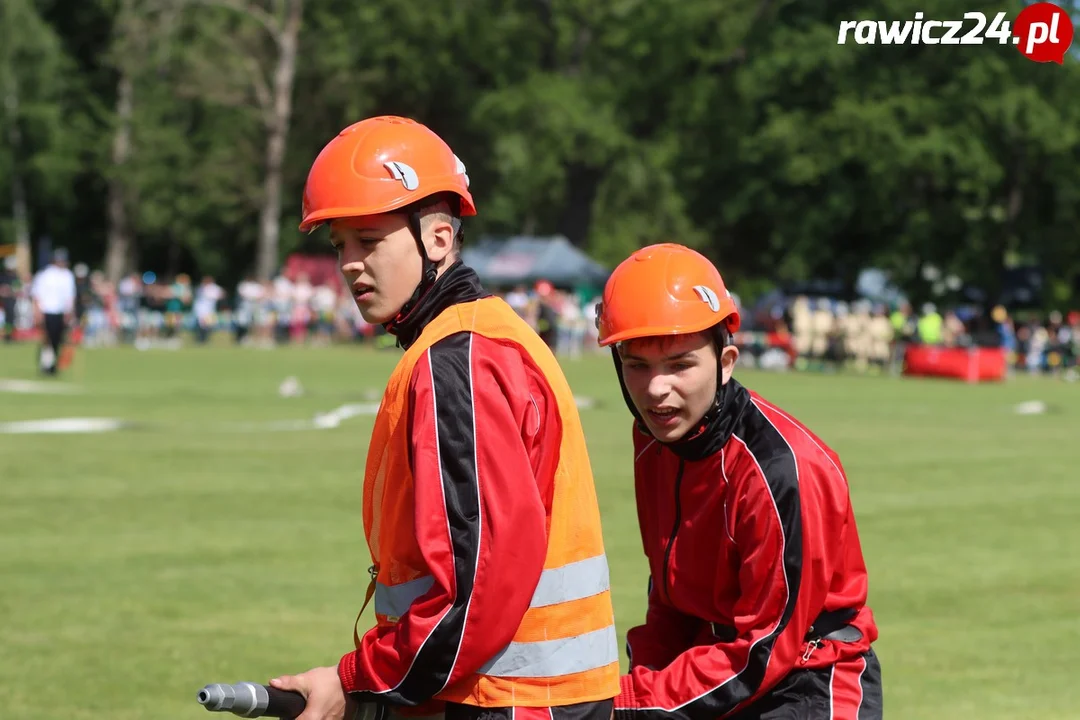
{"type": "Point", "coordinates": [207, 297]}
{"type": "Point", "coordinates": [9, 281]}
{"type": "Point", "coordinates": [53, 291]}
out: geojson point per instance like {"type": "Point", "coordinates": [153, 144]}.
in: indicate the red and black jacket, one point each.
{"type": "Point", "coordinates": [749, 546]}
{"type": "Point", "coordinates": [470, 397]}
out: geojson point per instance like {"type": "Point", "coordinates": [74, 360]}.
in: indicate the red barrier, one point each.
{"type": "Point", "coordinates": [968, 364]}
{"type": "Point", "coordinates": [319, 268]}
{"type": "Point", "coordinates": [74, 336]}
{"type": "Point", "coordinates": [27, 335]}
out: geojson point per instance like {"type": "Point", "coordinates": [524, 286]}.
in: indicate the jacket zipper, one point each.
{"type": "Point", "coordinates": [675, 527]}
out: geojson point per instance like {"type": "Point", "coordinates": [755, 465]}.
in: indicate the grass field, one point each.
{"type": "Point", "coordinates": [136, 566]}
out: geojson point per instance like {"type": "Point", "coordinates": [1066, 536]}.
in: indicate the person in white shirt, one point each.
{"type": "Point", "coordinates": [207, 297]}
{"type": "Point", "coordinates": [249, 297]}
{"type": "Point", "coordinates": [53, 293]}
{"type": "Point", "coordinates": [322, 305]}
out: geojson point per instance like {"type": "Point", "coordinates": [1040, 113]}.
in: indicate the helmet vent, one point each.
{"type": "Point", "coordinates": [708, 296]}
{"type": "Point", "coordinates": [404, 173]}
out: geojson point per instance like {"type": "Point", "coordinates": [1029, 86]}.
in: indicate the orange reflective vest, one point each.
{"type": "Point", "coordinates": [564, 650]}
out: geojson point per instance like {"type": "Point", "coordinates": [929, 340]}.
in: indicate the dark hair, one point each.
{"type": "Point", "coordinates": [453, 207]}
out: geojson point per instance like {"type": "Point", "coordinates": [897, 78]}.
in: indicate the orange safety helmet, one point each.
{"type": "Point", "coordinates": [380, 165]}
{"type": "Point", "coordinates": [664, 289]}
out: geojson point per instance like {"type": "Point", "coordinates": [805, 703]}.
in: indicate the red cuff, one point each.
{"type": "Point", "coordinates": [625, 702]}
{"type": "Point", "coordinates": [346, 671]}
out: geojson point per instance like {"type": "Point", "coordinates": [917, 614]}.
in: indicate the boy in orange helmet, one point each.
{"type": "Point", "coordinates": [757, 593]}
{"type": "Point", "coordinates": [489, 577]}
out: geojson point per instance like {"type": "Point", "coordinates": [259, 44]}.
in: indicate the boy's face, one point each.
{"type": "Point", "coordinates": [380, 262]}
{"type": "Point", "coordinates": [672, 380]}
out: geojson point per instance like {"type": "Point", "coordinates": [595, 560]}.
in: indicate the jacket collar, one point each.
{"type": "Point", "coordinates": [459, 284]}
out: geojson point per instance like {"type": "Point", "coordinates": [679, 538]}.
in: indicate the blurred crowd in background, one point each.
{"type": "Point", "coordinates": [147, 138]}
{"type": "Point", "coordinates": [801, 332]}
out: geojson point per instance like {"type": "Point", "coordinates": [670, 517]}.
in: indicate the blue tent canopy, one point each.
{"type": "Point", "coordinates": [527, 259]}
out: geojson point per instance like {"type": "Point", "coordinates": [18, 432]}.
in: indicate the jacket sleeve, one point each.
{"type": "Point", "coordinates": [770, 618]}
{"type": "Point", "coordinates": [655, 644]}
{"type": "Point", "coordinates": [480, 521]}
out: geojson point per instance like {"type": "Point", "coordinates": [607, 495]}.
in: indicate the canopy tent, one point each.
{"type": "Point", "coordinates": [527, 259]}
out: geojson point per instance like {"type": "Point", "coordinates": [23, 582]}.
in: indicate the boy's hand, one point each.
{"type": "Point", "coordinates": [321, 687]}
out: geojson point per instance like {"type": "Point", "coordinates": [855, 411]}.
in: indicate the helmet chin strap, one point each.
{"type": "Point", "coordinates": [626, 393]}
{"type": "Point", "coordinates": [429, 272]}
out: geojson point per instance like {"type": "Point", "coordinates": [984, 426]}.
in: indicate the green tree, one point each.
{"type": "Point", "coordinates": [40, 125]}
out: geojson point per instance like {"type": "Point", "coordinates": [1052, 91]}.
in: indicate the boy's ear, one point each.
{"type": "Point", "coordinates": [728, 358]}
{"type": "Point", "coordinates": [440, 243]}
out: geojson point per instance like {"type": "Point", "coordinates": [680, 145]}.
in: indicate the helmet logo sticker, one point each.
{"type": "Point", "coordinates": [460, 168]}
{"type": "Point", "coordinates": [708, 296]}
{"type": "Point", "coordinates": [404, 173]}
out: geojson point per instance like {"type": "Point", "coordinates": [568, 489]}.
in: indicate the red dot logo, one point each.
{"type": "Point", "coordinates": [1043, 33]}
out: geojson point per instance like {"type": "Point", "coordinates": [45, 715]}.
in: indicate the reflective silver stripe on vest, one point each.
{"type": "Point", "coordinates": [551, 658]}
{"type": "Point", "coordinates": [395, 600]}
{"type": "Point", "coordinates": [572, 581]}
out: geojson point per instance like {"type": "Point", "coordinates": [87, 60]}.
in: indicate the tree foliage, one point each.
{"type": "Point", "coordinates": [742, 129]}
